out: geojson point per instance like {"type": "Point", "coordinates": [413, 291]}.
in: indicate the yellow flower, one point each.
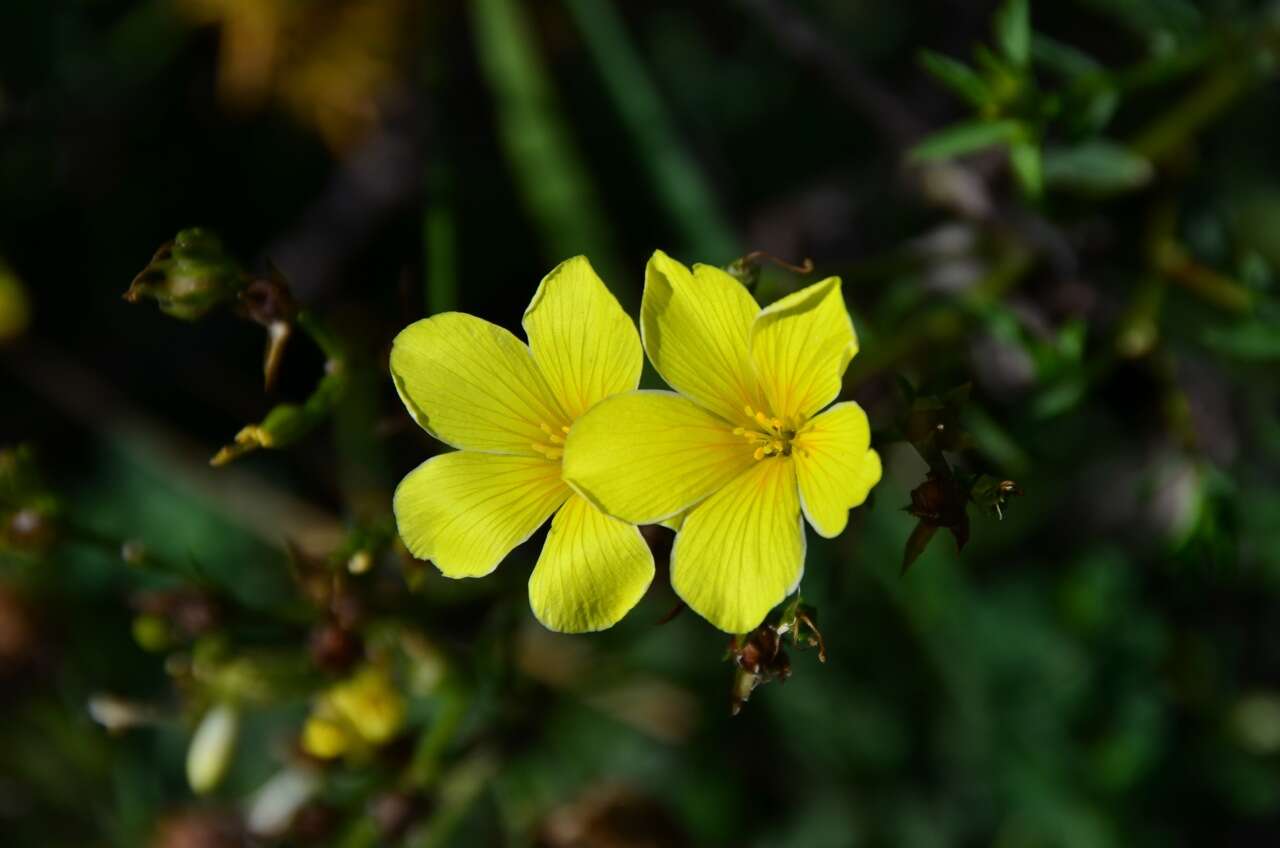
{"type": "Point", "coordinates": [741, 451]}
{"type": "Point", "coordinates": [509, 408]}
{"type": "Point", "coordinates": [372, 705]}
{"type": "Point", "coordinates": [325, 738]}
{"type": "Point", "coordinates": [363, 711]}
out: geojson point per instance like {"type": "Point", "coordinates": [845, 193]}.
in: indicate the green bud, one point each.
{"type": "Point", "coordinates": [151, 632]}
{"type": "Point", "coordinates": [211, 749]}
{"type": "Point", "coordinates": [283, 424]}
{"type": "Point", "coordinates": [188, 276]}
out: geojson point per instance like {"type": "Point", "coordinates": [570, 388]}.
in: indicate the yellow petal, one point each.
{"type": "Point", "coordinates": [474, 385]}
{"type": "Point", "coordinates": [801, 345]}
{"type": "Point", "coordinates": [741, 552]}
{"type": "Point", "coordinates": [646, 456]}
{"type": "Point", "coordinates": [835, 465]}
{"type": "Point", "coordinates": [465, 511]}
{"type": "Point", "coordinates": [592, 571]}
{"type": "Point", "coordinates": [696, 329]}
{"type": "Point", "coordinates": [585, 345]}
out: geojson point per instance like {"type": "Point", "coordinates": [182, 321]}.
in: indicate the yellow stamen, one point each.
{"type": "Point", "coordinates": [771, 436]}
{"type": "Point", "coordinates": [553, 450]}
{"type": "Point", "coordinates": [547, 451]}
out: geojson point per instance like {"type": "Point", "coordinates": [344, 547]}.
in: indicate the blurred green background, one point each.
{"type": "Point", "coordinates": [1077, 218]}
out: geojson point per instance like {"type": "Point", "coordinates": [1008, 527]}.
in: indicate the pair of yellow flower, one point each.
{"type": "Point", "coordinates": [731, 460]}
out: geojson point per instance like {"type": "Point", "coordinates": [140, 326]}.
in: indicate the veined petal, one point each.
{"type": "Point", "coordinates": [741, 552]}
{"type": "Point", "coordinates": [465, 511]}
{"type": "Point", "coordinates": [473, 385]}
{"type": "Point", "coordinates": [592, 571]}
{"type": "Point", "coordinates": [646, 456]}
{"type": "Point", "coordinates": [835, 466]}
{"type": "Point", "coordinates": [696, 329]}
{"type": "Point", "coordinates": [800, 346]}
{"type": "Point", "coordinates": [585, 345]}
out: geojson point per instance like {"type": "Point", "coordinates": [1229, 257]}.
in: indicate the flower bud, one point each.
{"type": "Point", "coordinates": [151, 633]}
{"type": "Point", "coordinates": [212, 747]}
{"type": "Point", "coordinates": [277, 803]}
{"type": "Point", "coordinates": [334, 648]}
{"type": "Point", "coordinates": [283, 424]}
{"type": "Point", "coordinates": [758, 659]}
{"type": "Point", "coordinates": [188, 276]}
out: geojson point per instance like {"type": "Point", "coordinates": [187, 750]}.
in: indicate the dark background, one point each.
{"type": "Point", "coordinates": [1101, 667]}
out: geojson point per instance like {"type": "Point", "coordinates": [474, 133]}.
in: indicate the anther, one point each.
{"type": "Point", "coordinates": [547, 451]}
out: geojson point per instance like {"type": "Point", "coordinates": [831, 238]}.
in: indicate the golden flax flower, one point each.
{"type": "Point", "coordinates": [362, 712]}
{"type": "Point", "coordinates": [744, 449]}
{"type": "Point", "coordinates": [508, 407]}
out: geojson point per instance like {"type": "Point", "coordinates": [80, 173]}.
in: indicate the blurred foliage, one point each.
{"type": "Point", "coordinates": [1057, 227]}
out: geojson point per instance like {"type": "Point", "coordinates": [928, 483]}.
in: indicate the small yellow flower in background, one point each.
{"type": "Point", "coordinates": [509, 408]}
{"type": "Point", "coordinates": [371, 704]}
{"type": "Point", "coordinates": [741, 452]}
{"type": "Point", "coordinates": [325, 738]}
{"type": "Point", "coordinates": [366, 710]}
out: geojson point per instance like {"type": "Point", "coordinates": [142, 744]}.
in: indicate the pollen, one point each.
{"type": "Point", "coordinates": [771, 436]}
{"type": "Point", "coordinates": [553, 448]}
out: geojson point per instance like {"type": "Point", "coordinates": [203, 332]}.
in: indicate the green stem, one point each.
{"type": "Point", "coordinates": [424, 769]}
{"type": "Point", "coordinates": [676, 177]}
{"type": "Point", "coordinates": [288, 422]}
{"type": "Point", "coordinates": [1165, 137]}
{"type": "Point", "coordinates": [551, 175]}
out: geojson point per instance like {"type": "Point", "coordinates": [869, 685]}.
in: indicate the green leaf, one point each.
{"type": "Point", "coordinates": [1063, 59]}
{"type": "Point", "coordinates": [1024, 159]}
{"type": "Point", "coordinates": [966, 137]}
{"type": "Point", "coordinates": [1097, 111]}
{"type": "Point", "coordinates": [1255, 340]}
{"type": "Point", "coordinates": [1013, 31]}
{"type": "Point", "coordinates": [957, 76]}
{"type": "Point", "coordinates": [1096, 167]}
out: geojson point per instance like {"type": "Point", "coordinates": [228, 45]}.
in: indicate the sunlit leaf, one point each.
{"type": "Point", "coordinates": [1024, 159]}
{"type": "Point", "coordinates": [1097, 167]}
{"type": "Point", "coordinates": [1013, 31]}
{"type": "Point", "coordinates": [966, 137]}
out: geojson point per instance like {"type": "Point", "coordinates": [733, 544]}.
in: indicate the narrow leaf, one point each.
{"type": "Point", "coordinates": [956, 76]}
{"type": "Point", "coordinates": [1096, 167]}
{"type": "Point", "coordinates": [1013, 32]}
{"type": "Point", "coordinates": [1024, 158]}
{"type": "Point", "coordinates": [1063, 59]}
{"type": "Point", "coordinates": [966, 137]}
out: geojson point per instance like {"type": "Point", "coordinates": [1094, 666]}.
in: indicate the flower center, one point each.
{"type": "Point", "coordinates": [553, 448]}
{"type": "Point", "coordinates": [771, 436]}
